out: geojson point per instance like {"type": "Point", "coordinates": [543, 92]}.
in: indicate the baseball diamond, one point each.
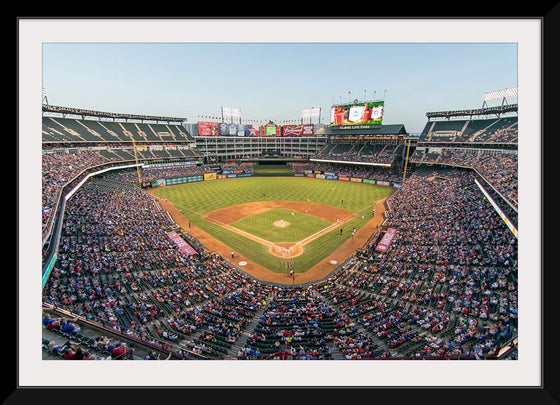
{"type": "Point", "coordinates": [220, 219]}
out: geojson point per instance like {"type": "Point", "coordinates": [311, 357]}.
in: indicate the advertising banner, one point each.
{"type": "Point", "coordinates": [343, 178]}
{"type": "Point", "coordinates": [382, 183]}
{"type": "Point", "coordinates": [270, 130]}
{"type": "Point", "coordinates": [369, 181]}
{"type": "Point", "coordinates": [386, 240]}
{"type": "Point", "coordinates": [297, 130]}
{"type": "Point", "coordinates": [209, 176]}
{"type": "Point", "coordinates": [310, 175]}
{"type": "Point", "coordinates": [240, 130]}
{"type": "Point", "coordinates": [330, 177]}
{"type": "Point", "coordinates": [319, 176]}
{"type": "Point", "coordinates": [223, 129]}
{"type": "Point", "coordinates": [355, 179]}
{"type": "Point", "coordinates": [231, 176]}
{"type": "Point", "coordinates": [180, 180]}
{"type": "Point", "coordinates": [190, 179]}
{"type": "Point", "coordinates": [251, 131]}
{"type": "Point", "coordinates": [221, 176]}
{"type": "Point", "coordinates": [207, 128]}
{"type": "Point", "coordinates": [181, 244]}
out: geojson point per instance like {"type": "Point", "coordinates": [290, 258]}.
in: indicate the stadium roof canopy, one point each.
{"type": "Point", "coordinates": [102, 114]}
{"type": "Point", "coordinates": [499, 110]}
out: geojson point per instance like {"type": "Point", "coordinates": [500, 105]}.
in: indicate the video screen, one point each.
{"type": "Point", "coordinates": [368, 113]}
{"type": "Point", "coordinates": [270, 130]}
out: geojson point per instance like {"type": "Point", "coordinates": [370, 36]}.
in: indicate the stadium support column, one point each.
{"type": "Point", "coordinates": [136, 160]}
{"type": "Point", "coordinates": [406, 162]}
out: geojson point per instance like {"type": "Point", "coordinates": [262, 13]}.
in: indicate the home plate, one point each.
{"type": "Point", "coordinates": [243, 263]}
{"type": "Point", "coordinates": [333, 262]}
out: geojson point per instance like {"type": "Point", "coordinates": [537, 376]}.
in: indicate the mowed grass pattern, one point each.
{"type": "Point", "coordinates": [272, 169]}
{"type": "Point", "coordinates": [197, 199]}
{"type": "Point", "coordinates": [262, 225]}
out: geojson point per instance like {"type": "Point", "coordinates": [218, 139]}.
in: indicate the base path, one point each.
{"type": "Point", "coordinates": [225, 216]}
{"type": "Point", "coordinates": [317, 272]}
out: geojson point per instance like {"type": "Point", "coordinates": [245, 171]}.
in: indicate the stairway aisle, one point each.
{"type": "Point", "coordinates": [380, 343]}
{"type": "Point", "coordinates": [240, 343]}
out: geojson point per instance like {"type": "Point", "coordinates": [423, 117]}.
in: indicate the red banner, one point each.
{"type": "Point", "coordinates": [181, 244]}
{"type": "Point", "coordinates": [386, 240]}
{"type": "Point", "coordinates": [207, 128]}
{"type": "Point", "coordinates": [297, 130]}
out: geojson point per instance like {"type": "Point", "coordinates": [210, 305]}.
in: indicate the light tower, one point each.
{"type": "Point", "coordinates": [44, 99]}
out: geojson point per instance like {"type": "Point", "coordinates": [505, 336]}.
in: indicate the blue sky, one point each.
{"type": "Point", "coordinates": [276, 80]}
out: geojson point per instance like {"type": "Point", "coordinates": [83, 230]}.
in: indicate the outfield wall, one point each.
{"type": "Point", "coordinates": [228, 174]}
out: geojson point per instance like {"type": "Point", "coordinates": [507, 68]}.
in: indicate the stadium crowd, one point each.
{"type": "Point", "coordinates": [57, 170]}
{"type": "Point", "coordinates": [382, 154]}
{"type": "Point", "coordinates": [445, 288]}
{"type": "Point", "coordinates": [499, 168]}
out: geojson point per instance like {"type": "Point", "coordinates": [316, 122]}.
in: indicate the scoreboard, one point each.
{"type": "Point", "coordinates": [366, 113]}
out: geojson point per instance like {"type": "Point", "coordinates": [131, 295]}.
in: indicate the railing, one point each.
{"type": "Point", "coordinates": [162, 346]}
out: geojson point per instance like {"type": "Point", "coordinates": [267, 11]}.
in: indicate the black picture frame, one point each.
{"type": "Point", "coordinates": [548, 393]}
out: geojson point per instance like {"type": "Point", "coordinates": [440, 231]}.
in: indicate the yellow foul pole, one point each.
{"type": "Point", "coordinates": [405, 162]}
{"type": "Point", "coordinates": [136, 160]}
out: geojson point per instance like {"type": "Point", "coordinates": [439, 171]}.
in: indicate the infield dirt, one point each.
{"type": "Point", "coordinates": [233, 213]}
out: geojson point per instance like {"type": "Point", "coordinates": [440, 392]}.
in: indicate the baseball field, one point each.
{"type": "Point", "coordinates": [275, 223]}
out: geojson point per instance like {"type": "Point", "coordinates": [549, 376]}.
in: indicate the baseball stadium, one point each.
{"type": "Point", "coordinates": [164, 239]}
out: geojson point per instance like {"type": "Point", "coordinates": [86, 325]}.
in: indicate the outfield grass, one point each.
{"type": "Point", "coordinates": [301, 225]}
{"type": "Point", "coordinates": [197, 199]}
{"type": "Point", "coordinates": [272, 169]}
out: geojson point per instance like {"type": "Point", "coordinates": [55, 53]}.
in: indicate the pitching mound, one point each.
{"type": "Point", "coordinates": [281, 224]}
